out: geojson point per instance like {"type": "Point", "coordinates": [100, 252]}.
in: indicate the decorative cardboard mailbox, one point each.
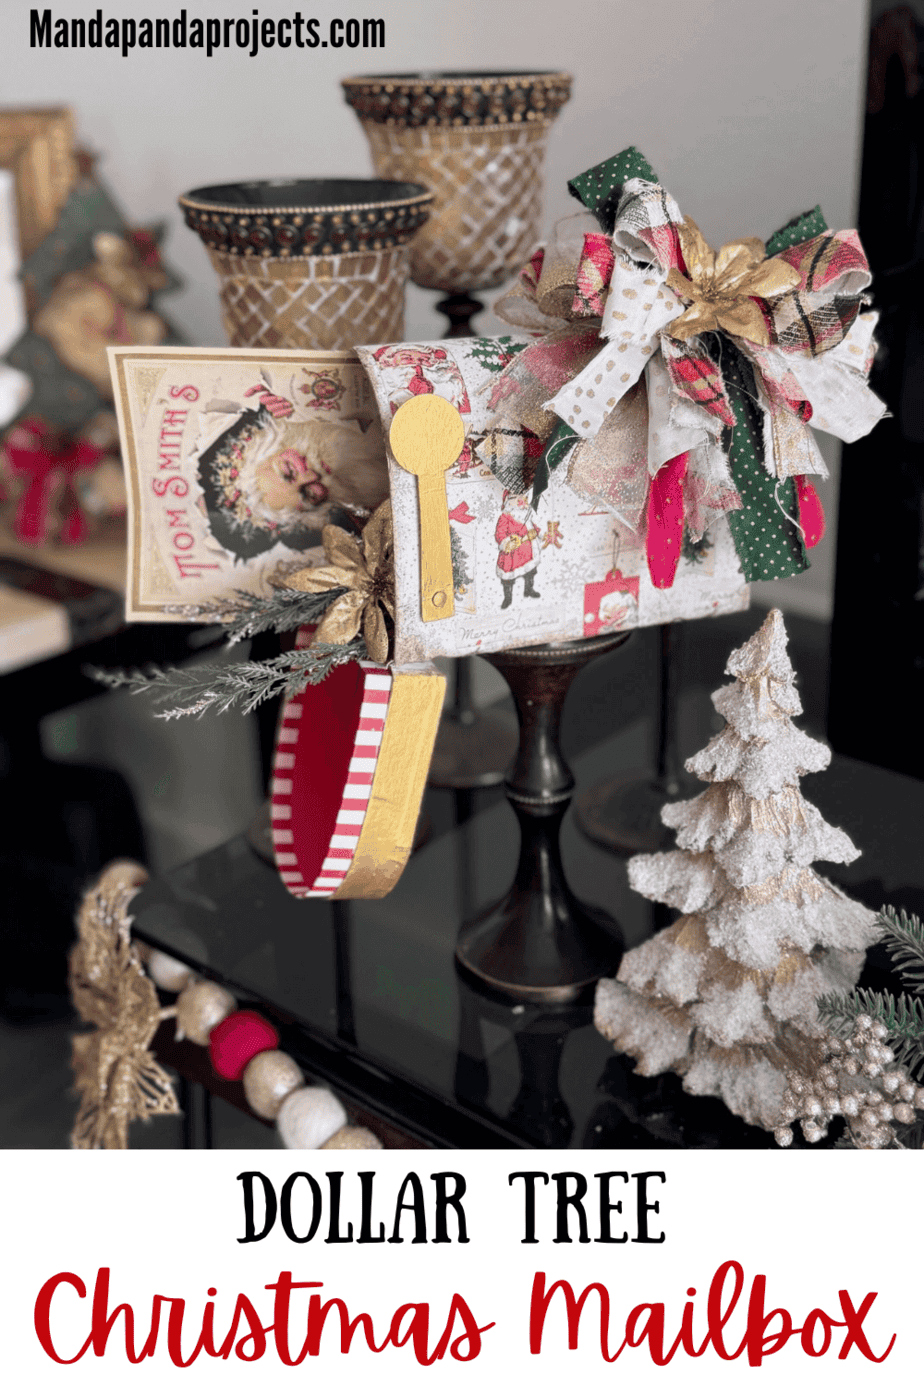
{"type": "Point", "coordinates": [525, 568]}
{"type": "Point", "coordinates": [636, 459]}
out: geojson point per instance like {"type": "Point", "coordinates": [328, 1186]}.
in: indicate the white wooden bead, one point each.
{"type": "Point", "coordinates": [308, 1117]}
{"type": "Point", "coordinates": [168, 973]}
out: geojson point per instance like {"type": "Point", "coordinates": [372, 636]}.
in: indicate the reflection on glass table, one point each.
{"type": "Point", "coordinates": [368, 999]}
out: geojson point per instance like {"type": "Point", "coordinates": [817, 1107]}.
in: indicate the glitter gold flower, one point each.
{"type": "Point", "coordinates": [366, 571]}
{"type": "Point", "coordinates": [720, 287]}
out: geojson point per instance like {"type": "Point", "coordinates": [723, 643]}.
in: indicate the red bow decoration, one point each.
{"type": "Point", "coordinates": [48, 461]}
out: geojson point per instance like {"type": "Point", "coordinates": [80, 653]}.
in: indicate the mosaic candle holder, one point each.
{"type": "Point", "coordinates": [312, 263]}
{"type": "Point", "coordinates": [478, 140]}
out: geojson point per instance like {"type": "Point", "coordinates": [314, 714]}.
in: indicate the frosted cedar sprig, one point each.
{"type": "Point", "coordinates": [245, 614]}
{"type": "Point", "coordinates": [217, 688]}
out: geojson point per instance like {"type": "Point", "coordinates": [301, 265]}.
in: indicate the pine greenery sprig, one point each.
{"type": "Point", "coordinates": [210, 688]}
{"type": "Point", "coordinates": [245, 614]}
{"type": "Point", "coordinates": [903, 1016]}
{"type": "Point", "coordinates": [903, 936]}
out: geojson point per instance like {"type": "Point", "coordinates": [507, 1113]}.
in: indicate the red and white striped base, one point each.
{"type": "Point", "coordinates": [327, 748]}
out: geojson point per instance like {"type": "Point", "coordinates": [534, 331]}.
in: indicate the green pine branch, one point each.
{"type": "Point", "coordinates": [202, 688]}
{"type": "Point", "coordinates": [903, 936]}
{"type": "Point", "coordinates": [694, 550]}
{"type": "Point", "coordinates": [903, 1017]}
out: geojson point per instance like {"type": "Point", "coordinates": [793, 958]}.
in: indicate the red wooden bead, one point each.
{"type": "Point", "coordinates": [236, 1039]}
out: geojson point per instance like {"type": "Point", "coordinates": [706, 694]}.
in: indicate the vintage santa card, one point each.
{"type": "Point", "coordinates": [236, 461]}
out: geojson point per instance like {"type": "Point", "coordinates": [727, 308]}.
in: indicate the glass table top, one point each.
{"type": "Point", "coordinates": [367, 996]}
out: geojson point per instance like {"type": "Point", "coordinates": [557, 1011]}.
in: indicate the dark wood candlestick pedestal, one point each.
{"type": "Point", "coordinates": [473, 747]}
{"type": "Point", "coordinates": [623, 814]}
{"type": "Point", "coordinates": [540, 943]}
{"type": "Point", "coordinates": [460, 308]}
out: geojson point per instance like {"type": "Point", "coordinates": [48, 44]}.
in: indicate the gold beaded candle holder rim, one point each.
{"type": "Point", "coordinates": [458, 98]}
{"type": "Point", "coordinates": [540, 121]}
{"type": "Point", "coordinates": [301, 227]}
{"type": "Point", "coordinates": [192, 199]}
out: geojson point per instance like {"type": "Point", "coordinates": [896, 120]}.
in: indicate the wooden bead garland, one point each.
{"type": "Point", "coordinates": [242, 1045]}
{"type": "Point", "coordinates": [268, 1080]}
{"type": "Point", "coordinates": [201, 1007]}
{"type": "Point", "coordinates": [309, 1117]}
{"type": "Point", "coordinates": [168, 973]}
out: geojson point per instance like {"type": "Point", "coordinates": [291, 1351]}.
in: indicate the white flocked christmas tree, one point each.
{"type": "Point", "coordinates": [726, 996]}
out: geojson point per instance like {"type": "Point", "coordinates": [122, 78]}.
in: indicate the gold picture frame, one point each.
{"type": "Point", "coordinates": [37, 146]}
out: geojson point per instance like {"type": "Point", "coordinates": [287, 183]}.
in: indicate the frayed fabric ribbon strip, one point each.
{"type": "Point", "coordinates": [735, 352]}
{"type": "Point", "coordinates": [811, 514]}
{"type": "Point", "coordinates": [665, 521]}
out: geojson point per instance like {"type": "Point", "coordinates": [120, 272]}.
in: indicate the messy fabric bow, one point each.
{"type": "Point", "coordinates": [678, 382]}
{"type": "Point", "coordinates": [47, 463]}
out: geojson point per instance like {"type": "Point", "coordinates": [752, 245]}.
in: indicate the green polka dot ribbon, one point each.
{"type": "Point", "coordinates": [802, 228]}
{"type": "Point", "coordinates": [768, 542]}
{"type": "Point", "coordinates": [600, 188]}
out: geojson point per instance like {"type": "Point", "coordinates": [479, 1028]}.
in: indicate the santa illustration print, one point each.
{"type": "Point", "coordinates": [271, 478]}
{"type": "Point", "coordinates": [518, 550]}
{"type": "Point", "coordinates": [410, 370]}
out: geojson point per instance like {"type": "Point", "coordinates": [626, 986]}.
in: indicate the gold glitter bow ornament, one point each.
{"type": "Point", "coordinates": [366, 571]}
{"type": "Point", "coordinates": [721, 288]}
{"type": "Point", "coordinates": [117, 1077]}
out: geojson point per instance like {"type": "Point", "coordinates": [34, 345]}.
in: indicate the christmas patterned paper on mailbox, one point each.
{"type": "Point", "coordinates": [524, 571]}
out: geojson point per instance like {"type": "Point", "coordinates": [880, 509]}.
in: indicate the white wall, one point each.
{"type": "Point", "coordinates": [749, 110]}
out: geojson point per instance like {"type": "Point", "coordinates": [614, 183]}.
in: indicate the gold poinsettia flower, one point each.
{"type": "Point", "coordinates": [366, 571]}
{"type": "Point", "coordinates": [721, 287]}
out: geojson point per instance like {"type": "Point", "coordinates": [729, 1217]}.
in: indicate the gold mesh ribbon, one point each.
{"type": "Point", "coordinates": [366, 570]}
{"type": "Point", "coordinates": [116, 1076]}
